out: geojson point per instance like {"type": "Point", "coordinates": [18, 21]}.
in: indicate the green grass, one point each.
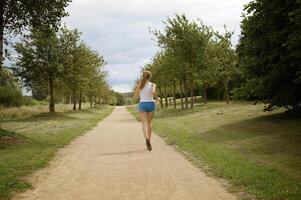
{"type": "Point", "coordinates": [257, 152]}
{"type": "Point", "coordinates": [29, 141]}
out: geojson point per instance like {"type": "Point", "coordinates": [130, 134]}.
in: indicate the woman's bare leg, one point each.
{"type": "Point", "coordinates": [149, 118]}
{"type": "Point", "coordinates": [143, 117]}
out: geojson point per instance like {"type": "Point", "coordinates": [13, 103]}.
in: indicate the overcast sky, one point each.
{"type": "Point", "coordinates": [118, 29]}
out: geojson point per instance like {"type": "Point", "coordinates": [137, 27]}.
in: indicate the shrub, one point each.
{"type": "Point", "coordinates": [10, 96]}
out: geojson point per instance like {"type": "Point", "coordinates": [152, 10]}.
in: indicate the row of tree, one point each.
{"type": "Point", "coordinates": [52, 61]}
{"type": "Point", "coordinates": [49, 60]}
{"type": "Point", "coordinates": [264, 66]}
{"type": "Point", "coordinates": [193, 58]}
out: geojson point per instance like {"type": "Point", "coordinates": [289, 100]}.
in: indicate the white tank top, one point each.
{"type": "Point", "coordinates": [146, 94]}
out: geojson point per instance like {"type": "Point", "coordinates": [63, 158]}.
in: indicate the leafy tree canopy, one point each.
{"type": "Point", "coordinates": [270, 52]}
{"type": "Point", "coordinates": [15, 15]}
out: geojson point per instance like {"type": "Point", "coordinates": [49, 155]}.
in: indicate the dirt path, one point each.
{"type": "Point", "coordinates": [110, 163]}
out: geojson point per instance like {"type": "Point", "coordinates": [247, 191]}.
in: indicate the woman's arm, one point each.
{"type": "Point", "coordinates": [136, 94]}
{"type": "Point", "coordinates": [155, 95]}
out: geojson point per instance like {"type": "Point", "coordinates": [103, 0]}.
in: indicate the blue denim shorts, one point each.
{"type": "Point", "coordinates": [147, 106]}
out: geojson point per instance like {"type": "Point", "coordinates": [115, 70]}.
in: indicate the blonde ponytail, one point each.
{"type": "Point", "coordinates": [145, 77]}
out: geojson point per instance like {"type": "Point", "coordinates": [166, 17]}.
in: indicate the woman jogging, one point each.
{"type": "Point", "coordinates": [146, 92]}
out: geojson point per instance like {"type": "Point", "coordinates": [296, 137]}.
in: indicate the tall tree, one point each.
{"type": "Point", "coordinates": [39, 60]}
{"type": "Point", "coordinates": [227, 57]}
{"type": "Point", "coordinates": [80, 64]}
{"type": "Point", "coordinates": [92, 65]}
{"type": "Point", "coordinates": [187, 40]}
{"type": "Point", "coordinates": [97, 87]}
{"type": "Point", "coordinates": [270, 52]}
{"type": "Point", "coordinates": [208, 74]}
{"type": "Point", "coordinates": [15, 15]}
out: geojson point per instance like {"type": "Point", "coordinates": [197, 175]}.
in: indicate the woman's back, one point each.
{"type": "Point", "coordinates": [146, 94]}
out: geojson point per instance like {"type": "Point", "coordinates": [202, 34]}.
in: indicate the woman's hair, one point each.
{"type": "Point", "coordinates": [145, 77]}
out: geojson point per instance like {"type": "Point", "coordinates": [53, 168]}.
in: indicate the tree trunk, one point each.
{"type": "Point", "coordinates": [74, 104]}
{"type": "Point", "coordinates": [226, 91]}
{"type": "Point", "coordinates": [51, 102]}
{"type": "Point", "coordinates": [218, 97]}
{"type": "Point", "coordinates": [204, 95]}
{"type": "Point", "coordinates": [74, 100]}
{"type": "Point", "coordinates": [1, 33]}
{"type": "Point", "coordinates": [181, 93]}
{"type": "Point", "coordinates": [161, 97]}
{"type": "Point", "coordinates": [174, 95]}
{"type": "Point", "coordinates": [166, 99]}
{"type": "Point", "coordinates": [169, 100]}
{"type": "Point", "coordinates": [91, 102]}
{"type": "Point", "coordinates": [185, 93]}
{"type": "Point", "coordinates": [161, 102]}
{"type": "Point", "coordinates": [191, 97]}
{"type": "Point", "coordinates": [191, 90]}
{"type": "Point", "coordinates": [80, 100]}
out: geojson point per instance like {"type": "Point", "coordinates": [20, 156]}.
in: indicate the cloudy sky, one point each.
{"type": "Point", "coordinates": [119, 29]}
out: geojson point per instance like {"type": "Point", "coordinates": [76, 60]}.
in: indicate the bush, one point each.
{"type": "Point", "coordinates": [248, 91]}
{"type": "Point", "coordinates": [29, 101]}
{"type": "Point", "coordinates": [10, 96]}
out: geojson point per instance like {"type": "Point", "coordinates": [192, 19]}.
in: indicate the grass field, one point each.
{"type": "Point", "coordinates": [29, 137]}
{"type": "Point", "coordinates": [257, 152]}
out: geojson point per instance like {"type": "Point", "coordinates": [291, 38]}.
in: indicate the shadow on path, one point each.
{"type": "Point", "coordinates": [123, 153]}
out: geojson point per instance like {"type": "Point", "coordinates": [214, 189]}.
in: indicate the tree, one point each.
{"type": "Point", "coordinates": [73, 50]}
{"type": "Point", "coordinates": [192, 57]}
{"type": "Point", "coordinates": [160, 75]}
{"type": "Point", "coordinates": [187, 41]}
{"type": "Point", "coordinates": [227, 61]}
{"type": "Point", "coordinates": [166, 70]}
{"type": "Point", "coordinates": [270, 53]}
{"type": "Point", "coordinates": [84, 72]}
{"type": "Point", "coordinates": [82, 68]}
{"type": "Point", "coordinates": [92, 66]}
{"type": "Point", "coordinates": [15, 15]}
{"type": "Point", "coordinates": [39, 60]}
{"type": "Point", "coordinates": [209, 73]}
{"type": "Point", "coordinates": [61, 61]}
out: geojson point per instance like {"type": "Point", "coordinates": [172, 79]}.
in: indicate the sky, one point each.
{"type": "Point", "coordinates": [119, 29]}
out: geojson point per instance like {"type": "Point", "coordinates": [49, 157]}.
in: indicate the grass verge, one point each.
{"type": "Point", "coordinates": [256, 152]}
{"type": "Point", "coordinates": [29, 143]}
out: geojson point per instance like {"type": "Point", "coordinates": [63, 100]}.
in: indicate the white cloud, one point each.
{"type": "Point", "coordinates": [118, 29]}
